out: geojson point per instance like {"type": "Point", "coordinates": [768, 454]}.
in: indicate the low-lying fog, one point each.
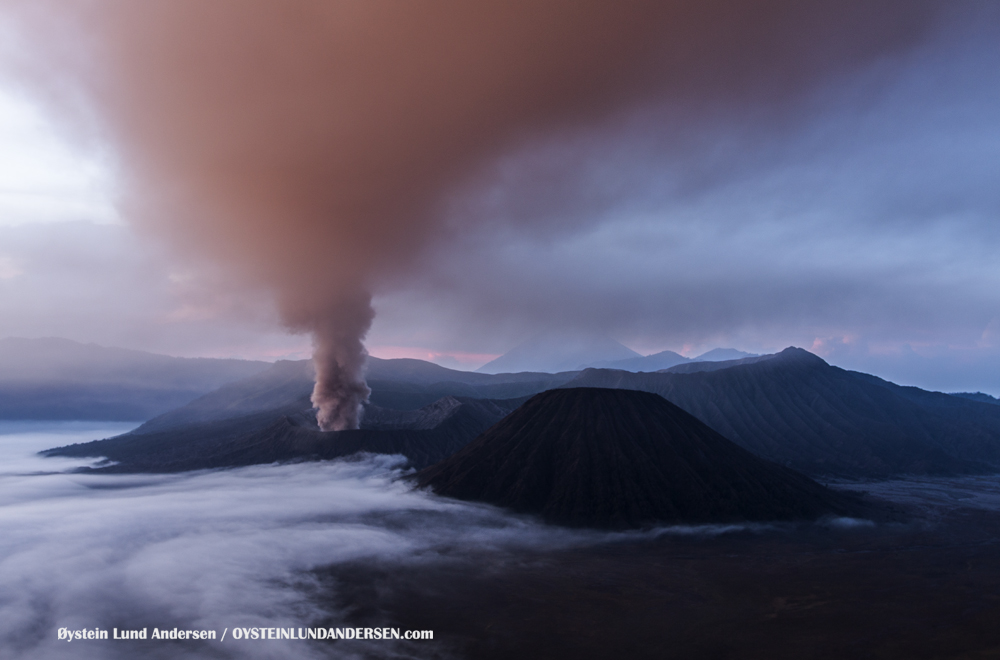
{"type": "Point", "coordinates": [934, 494]}
{"type": "Point", "coordinates": [208, 550]}
{"type": "Point", "coordinates": [234, 548]}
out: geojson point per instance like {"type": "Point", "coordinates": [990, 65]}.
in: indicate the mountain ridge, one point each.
{"type": "Point", "coordinates": [797, 410]}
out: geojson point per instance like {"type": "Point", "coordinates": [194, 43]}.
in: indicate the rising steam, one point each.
{"type": "Point", "coordinates": [312, 147]}
{"type": "Point", "coordinates": [339, 357]}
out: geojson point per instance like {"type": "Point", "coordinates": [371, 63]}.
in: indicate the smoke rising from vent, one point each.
{"type": "Point", "coordinates": [312, 148]}
{"type": "Point", "coordinates": [339, 357]}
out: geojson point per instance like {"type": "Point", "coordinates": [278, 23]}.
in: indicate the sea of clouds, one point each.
{"type": "Point", "coordinates": [219, 549]}
{"type": "Point", "coordinates": [213, 549]}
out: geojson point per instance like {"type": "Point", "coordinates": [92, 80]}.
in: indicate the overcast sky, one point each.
{"type": "Point", "coordinates": [858, 219]}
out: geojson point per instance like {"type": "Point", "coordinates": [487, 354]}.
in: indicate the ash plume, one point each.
{"type": "Point", "coordinates": [339, 357]}
{"type": "Point", "coordinates": [311, 148]}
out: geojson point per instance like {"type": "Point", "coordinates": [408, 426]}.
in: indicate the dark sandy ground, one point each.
{"type": "Point", "coordinates": [928, 587]}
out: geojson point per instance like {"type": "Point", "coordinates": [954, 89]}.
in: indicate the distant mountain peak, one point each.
{"type": "Point", "coordinates": [723, 354]}
{"type": "Point", "coordinates": [654, 362]}
{"type": "Point", "coordinates": [800, 355]}
{"type": "Point", "coordinates": [791, 356]}
{"type": "Point", "coordinates": [556, 353]}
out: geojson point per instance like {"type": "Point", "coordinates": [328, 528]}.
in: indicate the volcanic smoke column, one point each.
{"type": "Point", "coordinates": [339, 357]}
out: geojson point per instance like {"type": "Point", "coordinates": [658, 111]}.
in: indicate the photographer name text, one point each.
{"type": "Point", "coordinates": [89, 634]}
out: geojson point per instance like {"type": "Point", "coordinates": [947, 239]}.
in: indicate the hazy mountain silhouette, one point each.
{"type": "Point", "coordinates": [557, 353]}
{"type": "Point", "coordinates": [669, 359]}
{"type": "Point", "coordinates": [714, 365]}
{"type": "Point", "coordinates": [619, 458]}
{"type": "Point", "coordinates": [654, 362]}
{"type": "Point", "coordinates": [797, 410]}
{"type": "Point", "coordinates": [720, 354]}
{"type": "Point", "coordinates": [57, 379]}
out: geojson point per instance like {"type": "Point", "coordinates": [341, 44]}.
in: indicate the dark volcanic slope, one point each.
{"type": "Point", "coordinates": [797, 410]}
{"type": "Point", "coordinates": [424, 437]}
{"type": "Point", "coordinates": [618, 458]}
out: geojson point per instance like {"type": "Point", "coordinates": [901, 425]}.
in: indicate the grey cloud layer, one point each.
{"type": "Point", "coordinates": [103, 284]}
{"type": "Point", "coordinates": [866, 210]}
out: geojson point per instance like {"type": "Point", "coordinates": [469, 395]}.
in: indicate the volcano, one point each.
{"type": "Point", "coordinates": [607, 458]}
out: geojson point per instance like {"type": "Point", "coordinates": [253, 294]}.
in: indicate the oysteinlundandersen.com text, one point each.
{"type": "Point", "coordinates": [87, 634]}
